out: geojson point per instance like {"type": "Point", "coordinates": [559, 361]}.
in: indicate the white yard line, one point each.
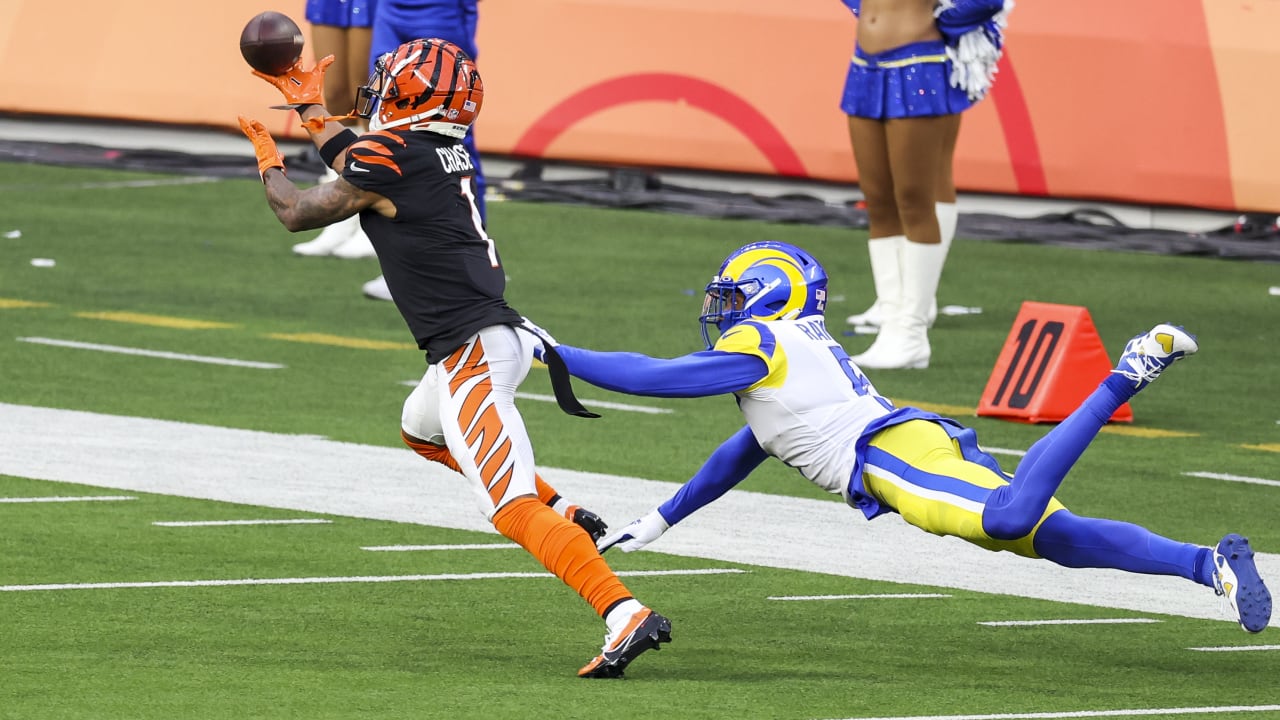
{"type": "Point", "coordinates": [315, 475]}
{"type": "Point", "coordinates": [63, 499]}
{"type": "Point", "coordinates": [1233, 478]}
{"type": "Point", "coordinates": [1236, 648]}
{"type": "Point", "coordinates": [216, 523]}
{"type": "Point", "coordinates": [1147, 712]}
{"type": "Point", "coordinates": [880, 596]}
{"type": "Point", "coordinates": [1095, 621]}
{"type": "Point", "coordinates": [160, 182]}
{"type": "Point", "coordinates": [338, 580]}
{"type": "Point", "coordinates": [413, 548]}
{"type": "Point", "coordinates": [605, 404]}
{"type": "Point", "coordinates": [151, 353]}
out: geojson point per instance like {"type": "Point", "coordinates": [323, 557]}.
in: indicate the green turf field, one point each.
{"type": "Point", "coordinates": [204, 270]}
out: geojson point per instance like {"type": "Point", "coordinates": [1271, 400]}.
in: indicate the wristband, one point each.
{"type": "Point", "coordinates": [334, 146]}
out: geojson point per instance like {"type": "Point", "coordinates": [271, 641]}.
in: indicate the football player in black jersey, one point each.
{"type": "Point", "coordinates": [412, 183]}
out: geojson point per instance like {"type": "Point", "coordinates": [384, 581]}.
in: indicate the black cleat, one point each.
{"type": "Point", "coordinates": [646, 630]}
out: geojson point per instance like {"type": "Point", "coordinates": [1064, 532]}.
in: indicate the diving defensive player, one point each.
{"type": "Point", "coordinates": [809, 405]}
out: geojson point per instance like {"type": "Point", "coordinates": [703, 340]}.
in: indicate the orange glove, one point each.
{"type": "Point", "coordinates": [300, 87]}
{"type": "Point", "coordinates": [263, 146]}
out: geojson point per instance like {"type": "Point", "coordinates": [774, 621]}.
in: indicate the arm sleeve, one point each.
{"type": "Point", "coordinates": [729, 465]}
{"type": "Point", "coordinates": [699, 374]}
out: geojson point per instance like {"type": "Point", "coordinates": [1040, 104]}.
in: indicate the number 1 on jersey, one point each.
{"type": "Point", "coordinates": [475, 219]}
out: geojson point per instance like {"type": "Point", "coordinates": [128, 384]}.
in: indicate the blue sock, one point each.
{"type": "Point", "coordinates": [1121, 386]}
{"type": "Point", "coordinates": [1013, 510]}
{"type": "Point", "coordinates": [1079, 542]}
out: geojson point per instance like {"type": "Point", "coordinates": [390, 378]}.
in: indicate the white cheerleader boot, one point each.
{"type": "Point", "coordinates": [356, 246]}
{"type": "Point", "coordinates": [948, 217]}
{"type": "Point", "coordinates": [376, 289]}
{"type": "Point", "coordinates": [885, 275]}
{"type": "Point", "coordinates": [330, 237]}
{"type": "Point", "coordinates": [903, 342]}
{"type": "Point", "coordinates": [886, 271]}
{"type": "Point", "coordinates": [874, 316]}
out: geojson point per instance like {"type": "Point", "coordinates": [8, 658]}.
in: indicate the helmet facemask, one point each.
{"type": "Point", "coordinates": [721, 307]}
{"type": "Point", "coordinates": [369, 96]}
{"type": "Point", "coordinates": [729, 302]}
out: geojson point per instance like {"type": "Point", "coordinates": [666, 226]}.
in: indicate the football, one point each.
{"type": "Point", "coordinates": [271, 43]}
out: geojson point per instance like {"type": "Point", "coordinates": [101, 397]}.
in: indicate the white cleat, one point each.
{"type": "Point", "coordinates": [1147, 355]}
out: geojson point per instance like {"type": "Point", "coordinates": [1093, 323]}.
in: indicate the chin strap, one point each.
{"type": "Point", "coordinates": [315, 125]}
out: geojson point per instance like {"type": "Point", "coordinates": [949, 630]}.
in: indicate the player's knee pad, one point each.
{"type": "Point", "coordinates": [420, 416]}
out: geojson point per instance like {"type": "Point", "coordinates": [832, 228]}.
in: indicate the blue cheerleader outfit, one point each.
{"type": "Point", "coordinates": [341, 13]}
{"type": "Point", "coordinates": [905, 82]}
{"type": "Point", "coordinates": [930, 78]}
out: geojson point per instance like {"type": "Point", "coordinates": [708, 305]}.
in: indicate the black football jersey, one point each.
{"type": "Point", "coordinates": [441, 267]}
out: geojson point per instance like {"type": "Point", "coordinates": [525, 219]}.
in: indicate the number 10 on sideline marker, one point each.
{"type": "Point", "coordinates": [1051, 361]}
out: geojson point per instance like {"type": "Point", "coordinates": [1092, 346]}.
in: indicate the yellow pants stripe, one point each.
{"type": "Point", "coordinates": [938, 491]}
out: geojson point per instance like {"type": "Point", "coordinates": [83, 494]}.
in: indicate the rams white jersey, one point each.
{"type": "Point", "coordinates": [814, 403]}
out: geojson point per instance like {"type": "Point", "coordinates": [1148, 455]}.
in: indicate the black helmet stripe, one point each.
{"type": "Point", "coordinates": [453, 79]}
{"type": "Point", "coordinates": [435, 55]}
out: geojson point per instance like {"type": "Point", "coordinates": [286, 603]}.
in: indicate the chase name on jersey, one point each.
{"type": "Point", "coordinates": [455, 159]}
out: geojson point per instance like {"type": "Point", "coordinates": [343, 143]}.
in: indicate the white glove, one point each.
{"type": "Point", "coordinates": [636, 535]}
{"type": "Point", "coordinates": [543, 336]}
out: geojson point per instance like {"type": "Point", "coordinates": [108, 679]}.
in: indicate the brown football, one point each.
{"type": "Point", "coordinates": [271, 42]}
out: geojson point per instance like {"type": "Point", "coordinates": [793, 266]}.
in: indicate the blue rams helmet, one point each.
{"type": "Point", "coordinates": [766, 280]}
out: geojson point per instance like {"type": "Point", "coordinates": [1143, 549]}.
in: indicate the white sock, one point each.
{"type": "Point", "coordinates": [621, 614]}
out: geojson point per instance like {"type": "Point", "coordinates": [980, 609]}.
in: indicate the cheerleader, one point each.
{"type": "Point", "coordinates": [343, 29]}
{"type": "Point", "coordinates": [917, 65]}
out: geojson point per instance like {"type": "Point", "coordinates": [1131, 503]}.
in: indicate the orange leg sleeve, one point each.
{"type": "Point", "coordinates": [563, 549]}
{"type": "Point", "coordinates": [546, 493]}
{"type": "Point", "coordinates": [431, 451]}
{"type": "Point", "coordinates": [440, 454]}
